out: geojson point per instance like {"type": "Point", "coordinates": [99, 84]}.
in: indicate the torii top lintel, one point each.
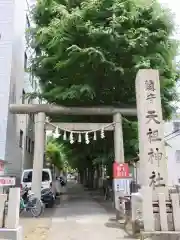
{"type": "Point", "coordinates": [55, 109]}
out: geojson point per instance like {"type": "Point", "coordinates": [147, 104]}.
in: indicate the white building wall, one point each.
{"type": "Point", "coordinates": [28, 130]}
{"type": "Point", "coordinates": [16, 122]}
{"type": "Point", "coordinates": [6, 37]}
{"type": "Point", "coordinates": [14, 80]}
{"type": "Point", "coordinates": [173, 139]}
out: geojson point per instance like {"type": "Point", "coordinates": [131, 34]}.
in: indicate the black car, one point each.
{"type": "Point", "coordinates": [47, 197]}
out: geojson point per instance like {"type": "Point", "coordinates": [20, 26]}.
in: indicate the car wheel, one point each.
{"type": "Point", "coordinates": [57, 195]}
{"type": "Point", "coordinates": [50, 204]}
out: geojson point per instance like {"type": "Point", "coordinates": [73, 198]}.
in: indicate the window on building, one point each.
{"type": "Point", "coordinates": [27, 22]}
{"type": "Point", "coordinates": [25, 61]}
{"type": "Point", "coordinates": [29, 100]}
{"type": "Point", "coordinates": [27, 141]}
{"type": "Point", "coordinates": [177, 156]}
{"type": "Point", "coordinates": [176, 126]}
{"type": "Point", "coordinates": [32, 147]}
{"type": "Point", "coordinates": [29, 145]}
{"type": "Point", "coordinates": [13, 94]}
{"type": "Point", "coordinates": [31, 116]}
{"type": "Point", "coordinates": [27, 34]}
{"type": "Point", "coordinates": [35, 84]}
{"type": "Point", "coordinates": [21, 139]}
{"type": "Point", "coordinates": [32, 81]}
{"type": "Point", "coordinates": [23, 96]}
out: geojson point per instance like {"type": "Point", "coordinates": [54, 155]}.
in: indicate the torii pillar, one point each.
{"type": "Point", "coordinates": [118, 153]}
{"type": "Point", "coordinates": [118, 138]}
{"type": "Point", "coordinates": [38, 153]}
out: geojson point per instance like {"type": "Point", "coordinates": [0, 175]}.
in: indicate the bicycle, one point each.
{"type": "Point", "coordinates": [108, 193]}
{"type": "Point", "coordinates": [132, 228]}
{"type": "Point", "coordinates": [30, 203]}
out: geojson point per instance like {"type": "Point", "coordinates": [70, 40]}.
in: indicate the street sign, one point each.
{"type": "Point", "coordinates": [122, 185]}
{"type": "Point", "coordinates": [120, 170]}
{"type": "Point", "coordinates": [7, 181]}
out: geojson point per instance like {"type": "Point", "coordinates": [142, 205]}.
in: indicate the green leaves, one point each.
{"type": "Point", "coordinates": [89, 51]}
{"type": "Point", "coordinates": [73, 92]}
{"type": "Point", "coordinates": [57, 153]}
{"type": "Point", "coordinates": [53, 154]}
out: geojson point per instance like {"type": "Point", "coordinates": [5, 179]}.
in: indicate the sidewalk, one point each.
{"type": "Point", "coordinates": [79, 217]}
{"type": "Point", "coordinates": [98, 197]}
{"type": "Point", "coordinates": [36, 228]}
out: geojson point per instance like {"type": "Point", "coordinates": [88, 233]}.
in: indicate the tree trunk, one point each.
{"type": "Point", "coordinates": [90, 177]}
{"type": "Point", "coordinates": [81, 175]}
{"type": "Point", "coordinates": [85, 178]}
{"type": "Point", "coordinates": [110, 170]}
{"type": "Point", "coordinates": [97, 178]}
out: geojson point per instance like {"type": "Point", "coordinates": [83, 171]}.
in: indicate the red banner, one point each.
{"type": "Point", "coordinates": [120, 170]}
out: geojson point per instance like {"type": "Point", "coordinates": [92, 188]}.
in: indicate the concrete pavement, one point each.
{"type": "Point", "coordinates": [36, 228]}
{"type": "Point", "coordinates": [79, 217]}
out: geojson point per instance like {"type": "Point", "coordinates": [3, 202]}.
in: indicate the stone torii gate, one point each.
{"type": "Point", "coordinates": [40, 111]}
{"type": "Point", "coordinates": [150, 128]}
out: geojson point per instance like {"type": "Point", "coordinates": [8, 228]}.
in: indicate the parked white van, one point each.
{"type": "Point", "coordinates": [47, 180]}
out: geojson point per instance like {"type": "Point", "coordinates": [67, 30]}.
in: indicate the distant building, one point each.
{"type": "Point", "coordinates": [16, 131]}
{"type": "Point", "coordinates": [172, 137]}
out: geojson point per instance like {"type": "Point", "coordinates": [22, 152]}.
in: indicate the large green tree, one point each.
{"type": "Point", "coordinates": [57, 154]}
{"type": "Point", "coordinates": [53, 154]}
{"type": "Point", "coordinates": [88, 53]}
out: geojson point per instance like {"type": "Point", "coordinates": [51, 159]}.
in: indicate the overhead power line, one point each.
{"type": "Point", "coordinates": [173, 136]}
{"type": "Point", "coordinates": [172, 133]}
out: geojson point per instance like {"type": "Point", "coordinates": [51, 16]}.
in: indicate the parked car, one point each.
{"type": "Point", "coordinates": [47, 180]}
{"type": "Point", "coordinates": [47, 197]}
{"type": "Point", "coordinates": [70, 177]}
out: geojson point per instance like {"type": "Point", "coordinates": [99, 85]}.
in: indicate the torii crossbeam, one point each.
{"type": "Point", "coordinates": [40, 111]}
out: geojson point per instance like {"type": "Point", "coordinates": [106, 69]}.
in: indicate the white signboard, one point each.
{"type": "Point", "coordinates": [122, 185]}
{"type": "Point", "coordinates": [153, 166]}
{"type": "Point", "coordinates": [7, 181]}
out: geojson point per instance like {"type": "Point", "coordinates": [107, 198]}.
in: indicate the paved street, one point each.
{"type": "Point", "coordinates": [36, 228]}
{"type": "Point", "coordinates": [80, 217]}
{"type": "Point", "coordinates": [77, 217]}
